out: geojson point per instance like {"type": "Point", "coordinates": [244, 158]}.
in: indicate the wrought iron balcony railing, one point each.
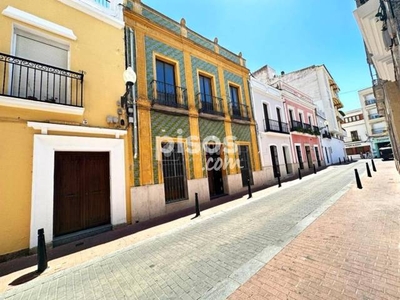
{"type": "Point", "coordinates": [374, 116]}
{"type": "Point", "coordinates": [209, 104]}
{"type": "Point", "coordinates": [168, 95]}
{"type": "Point", "coordinates": [239, 111]}
{"type": "Point", "coordinates": [355, 138]}
{"type": "Point", "coordinates": [31, 80]}
{"type": "Point", "coordinates": [276, 126]}
{"type": "Point", "coordinates": [370, 102]}
{"type": "Point", "coordinates": [379, 130]}
{"type": "Point", "coordinates": [326, 135]}
{"type": "Point", "coordinates": [304, 127]}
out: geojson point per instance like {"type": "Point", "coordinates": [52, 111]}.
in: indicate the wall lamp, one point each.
{"type": "Point", "coordinates": [126, 100]}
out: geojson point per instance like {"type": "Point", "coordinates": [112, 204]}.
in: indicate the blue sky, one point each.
{"type": "Point", "coordinates": [285, 34]}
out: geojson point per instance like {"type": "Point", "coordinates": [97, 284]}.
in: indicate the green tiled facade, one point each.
{"type": "Point", "coordinates": [163, 124]}
{"type": "Point", "coordinates": [161, 20]}
{"type": "Point", "coordinates": [229, 55]}
{"type": "Point", "coordinates": [235, 79]}
{"type": "Point", "coordinates": [201, 65]}
{"type": "Point", "coordinates": [158, 47]}
{"type": "Point", "coordinates": [241, 132]}
{"type": "Point", "coordinates": [200, 40]}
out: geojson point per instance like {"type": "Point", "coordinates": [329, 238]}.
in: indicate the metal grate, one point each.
{"type": "Point", "coordinates": [27, 79]}
{"type": "Point", "coordinates": [173, 166]}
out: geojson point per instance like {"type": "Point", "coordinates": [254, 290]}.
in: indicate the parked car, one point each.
{"type": "Point", "coordinates": [386, 153]}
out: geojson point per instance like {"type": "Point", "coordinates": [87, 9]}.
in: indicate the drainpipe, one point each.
{"type": "Point", "coordinates": [133, 94]}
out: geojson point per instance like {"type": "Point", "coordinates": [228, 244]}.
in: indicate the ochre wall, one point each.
{"type": "Point", "coordinates": [99, 51]}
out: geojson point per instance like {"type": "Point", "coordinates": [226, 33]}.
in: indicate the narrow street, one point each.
{"type": "Point", "coordinates": [210, 258]}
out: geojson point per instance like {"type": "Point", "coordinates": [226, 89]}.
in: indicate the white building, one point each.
{"type": "Point", "coordinates": [317, 82]}
{"type": "Point", "coordinates": [377, 128]}
{"type": "Point", "coordinates": [357, 141]}
{"type": "Point", "coordinates": [273, 130]}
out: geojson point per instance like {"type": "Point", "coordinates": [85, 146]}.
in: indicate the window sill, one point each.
{"type": "Point", "coordinates": [170, 110]}
{"type": "Point", "coordinates": [40, 106]}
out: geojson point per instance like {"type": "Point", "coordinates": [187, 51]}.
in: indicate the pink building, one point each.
{"type": "Point", "coordinates": [304, 132]}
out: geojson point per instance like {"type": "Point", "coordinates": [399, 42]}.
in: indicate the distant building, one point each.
{"type": "Point", "coordinates": [377, 128]}
{"type": "Point", "coordinates": [273, 131]}
{"type": "Point", "coordinates": [317, 82]}
{"type": "Point", "coordinates": [357, 141]}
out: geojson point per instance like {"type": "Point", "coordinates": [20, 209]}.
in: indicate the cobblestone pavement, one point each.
{"type": "Point", "coordinates": [208, 259]}
{"type": "Point", "coordinates": [351, 252]}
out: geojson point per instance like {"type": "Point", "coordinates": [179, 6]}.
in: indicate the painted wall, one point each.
{"type": "Point", "coordinates": [99, 52]}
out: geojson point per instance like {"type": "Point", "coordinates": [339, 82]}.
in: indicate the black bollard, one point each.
{"type": "Point", "coordinates": [299, 174]}
{"type": "Point", "coordinates": [340, 162]}
{"type": "Point", "coordinates": [373, 165]}
{"type": "Point", "coordinates": [315, 170]}
{"type": "Point", "coordinates": [279, 180]}
{"type": "Point", "coordinates": [249, 188]}
{"type": "Point", "coordinates": [344, 160]}
{"type": "Point", "coordinates": [351, 158]}
{"type": "Point", "coordinates": [41, 252]}
{"type": "Point", "coordinates": [358, 179]}
{"type": "Point", "coordinates": [368, 171]}
{"type": "Point", "coordinates": [196, 200]}
{"type": "Point", "coordinates": [348, 159]}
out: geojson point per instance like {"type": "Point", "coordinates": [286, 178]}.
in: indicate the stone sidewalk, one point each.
{"type": "Point", "coordinates": [352, 251]}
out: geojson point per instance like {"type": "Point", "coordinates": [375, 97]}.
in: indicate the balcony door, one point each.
{"type": "Point", "coordinates": [206, 94]}
{"type": "Point", "coordinates": [166, 87]}
{"type": "Point", "coordinates": [278, 114]}
{"type": "Point", "coordinates": [266, 117]}
{"type": "Point", "coordinates": [234, 92]}
{"type": "Point", "coordinates": [40, 82]}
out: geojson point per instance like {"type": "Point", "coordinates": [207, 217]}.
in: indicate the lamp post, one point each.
{"type": "Point", "coordinates": [129, 103]}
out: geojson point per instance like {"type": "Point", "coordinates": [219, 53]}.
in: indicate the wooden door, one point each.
{"type": "Point", "coordinates": [81, 191]}
{"type": "Point", "coordinates": [214, 172]}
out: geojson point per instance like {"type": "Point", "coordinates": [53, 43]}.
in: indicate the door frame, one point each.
{"type": "Point", "coordinates": [42, 202]}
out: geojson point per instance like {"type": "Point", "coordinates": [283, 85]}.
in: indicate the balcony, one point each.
{"type": "Point", "coordinates": [326, 135]}
{"type": "Point", "coordinates": [378, 131]}
{"type": "Point", "coordinates": [355, 138]}
{"type": "Point", "coordinates": [41, 83]}
{"type": "Point", "coordinates": [276, 126]}
{"type": "Point", "coordinates": [239, 111]}
{"type": "Point", "coordinates": [374, 116]}
{"type": "Point", "coordinates": [304, 128]}
{"type": "Point", "coordinates": [370, 102]}
{"type": "Point", "coordinates": [316, 130]}
{"type": "Point", "coordinates": [168, 95]}
{"type": "Point", "coordinates": [210, 105]}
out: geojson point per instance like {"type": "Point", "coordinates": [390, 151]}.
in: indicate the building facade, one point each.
{"type": "Point", "coordinates": [64, 152]}
{"type": "Point", "coordinates": [317, 82]}
{"type": "Point", "coordinates": [379, 22]}
{"type": "Point", "coordinates": [273, 131]}
{"type": "Point", "coordinates": [196, 128]}
{"type": "Point", "coordinates": [377, 128]}
{"type": "Point", "coordinates": [358, 144]}
{"type": "Point", "coordinates": [304, 132]}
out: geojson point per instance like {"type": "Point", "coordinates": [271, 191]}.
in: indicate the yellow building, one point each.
{"type": "Point", "coordinates": [196, 128]}
{"type": "Point", "coordinates": [64, 144]}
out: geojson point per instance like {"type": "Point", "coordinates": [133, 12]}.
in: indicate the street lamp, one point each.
{"type": "Point", "coordinates": [129, 103]}
{"type": "Point", "coordinates": [130, 78]}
